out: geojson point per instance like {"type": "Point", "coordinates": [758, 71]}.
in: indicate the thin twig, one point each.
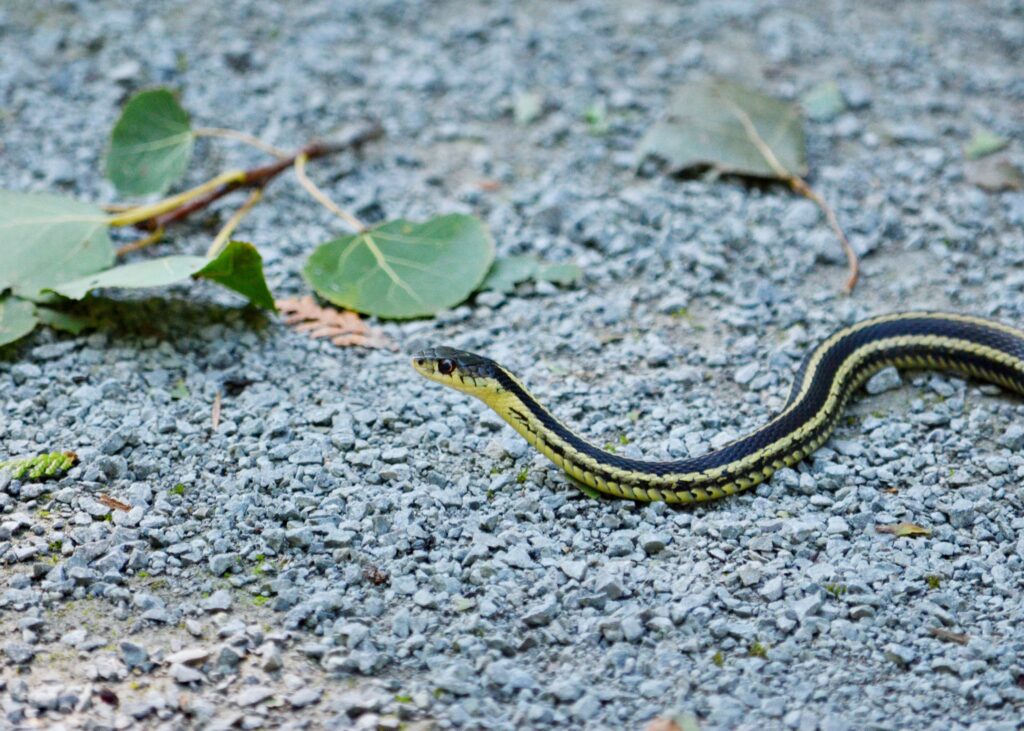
{"type": "Point", "coordinates": [114, 503]}
{"type": "Point", "coordinates": [224, 235]}
{"type": "Point", "coordinates": [233, 134]}
{"type": "Point", "coordinates": [215, 414]}
{"type": "Point", "coordinates": [257, 177]}
{"type": "Point", "coordinates": [945, 634]}
{"type": "Point", "coordinates": [799, 185]}
{"type": "Point", "coordinates": [321, 197]}
{"type": "Point", "coordinates": [141, 243]}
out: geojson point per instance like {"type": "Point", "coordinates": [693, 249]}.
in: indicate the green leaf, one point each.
{"type": "Point", "coordinates": [563, 274]}
{"type": "Point", "coordinates": [527, 107]}
{"type": "Point", "coordinates": [903, 530]}
{"type": "Point", "coordinates": [596, 117]}
{"type": "Point", "coordinates": [984, 143]}
{"type": "Point", "coordinates": [508, 271]}
{"type": "Point", "coordinates": [402, 269]}
{"type": "Point", "coordinates": [238, 267]}
{"type": "Point", "coordinates": [824, 102]}
{"type": "Point", "coordinates": [17, 319]}
{"type": "Point", "coordinates": [64, 321]}
{"type": "Point", "coordinates": [48, 239]}
{"type": "Point", "coordinates": [151, 273]}
{"type": "Point", "coordinates": [151, 144]}
{"type": "Point", "coordinates": [705, 127]}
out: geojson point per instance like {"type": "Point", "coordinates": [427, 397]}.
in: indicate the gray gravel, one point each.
{"type": "Point", "coordinates": [355, 547]}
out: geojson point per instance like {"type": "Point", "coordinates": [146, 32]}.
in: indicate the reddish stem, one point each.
{"type": "Point", "coordinates": [258, 177]}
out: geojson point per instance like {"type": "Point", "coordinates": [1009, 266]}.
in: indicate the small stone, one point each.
{"type": "Point", "coordinates": [886, 379]}
{"type": "Point", "coordinates": [900, 654]}
{"type": "Point", "coordinates": [519, 557]}
{"type": "Point", "coordinates": [74, 638]}
{"type": "Point", "coordinates": [145, 601]}
{"type": "Point", "coordinates": [611, 586]}
{"type": "Point", "coordinates": [838, 526]}
{"type": "Point", "coordinates": [541, 615]}
{"type": "Point", "coordinates": [746, 374]}
{"type": "Point", "coordinates": [218, 601]}
{"type": "Point", "coordinates": [272, 658]}
{"type": "Point", "coordinates": [653, 543]}
{"type": "Point", "coordinates": [567, 690]}
{"type": "Point", "coordinates": [772, 589]}
{"type": "Point", "coordinates": [305, 697]}
{"type": "Point", "coordinates": [135, 656]}
{"type": "Point", "coordinates": [221, 563]}
{"type": "Point", "coordinates": [19, 653]}
{"type": "Point", "coordinates": [573, 569]}
{"type": "Point", "coordinates": [188, 656]}
{"type": "Point", "coordinates": [997, 465]}
{"type": "Point", "coordinates": [749, 573]}
{"type": "Point", "coordinates": [184, 675]}
{"type": "Point", "coordinates": [806, 607]}
{"type": "Point", "coordinates": [253, 695]}
{"type": "Point", "coordinates": [425, 599]}
{"type": "Point", "coordinates": [228, 657]}
{"type": "Point", "coordinates": [862, 611]}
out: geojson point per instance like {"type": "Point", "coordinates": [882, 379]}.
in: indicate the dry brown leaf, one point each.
{"type": "Point", "coordinates": [343, 327]}
{"type": "Point", "coordinates": [662, 724]}
{"type": "Point", "coordinates": [684, 722]}
{"type": "Point", "coordinates": [901, 530]}
{"type": "Point", "coordinates": [945, 634]}
{"type": "Point", "coordinates": [114, 504]}
{"type": "Point", "coordinates": [215, 415]}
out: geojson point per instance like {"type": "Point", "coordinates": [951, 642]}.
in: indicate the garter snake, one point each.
{"type": "Point", "coordinates": [829, 376]}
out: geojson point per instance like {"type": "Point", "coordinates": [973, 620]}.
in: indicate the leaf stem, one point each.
{"type": "Point", "coordinates": [321, 197]}
{"type": "Point", "coordinates": [224, 235]}
{"type": "Point", "coordinates": [144, 213]}
{"type": "Point", "coordinates": [799, 185]}
{"type": "Point", "coordinates": [233, 134]}
{"type": "Point", "coordinates": [142, 243]}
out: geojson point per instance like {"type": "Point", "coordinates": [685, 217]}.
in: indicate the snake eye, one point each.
{"type": "Point", "coordinates": [445, 367]}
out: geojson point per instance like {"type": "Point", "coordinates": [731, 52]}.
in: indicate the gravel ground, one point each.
{"type": "Point", "coordinates": [357, 547]}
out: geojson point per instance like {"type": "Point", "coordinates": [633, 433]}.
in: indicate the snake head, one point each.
{"type": "Point", "coordinates": [467, 372]}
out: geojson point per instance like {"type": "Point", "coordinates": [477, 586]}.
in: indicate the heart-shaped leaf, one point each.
{"type": "Point", "coordinates": [49, 239]}
{"type": "Point", "coordinates": [151, 144]}
{"type": "Point", "coordinates": [705, 126]}
{"type": "Point", "coordinates": [402, 269]}
{"type": "Point", "coordinates": [239, 267]}
{"type": "Point", "coordinates": [17, 319]}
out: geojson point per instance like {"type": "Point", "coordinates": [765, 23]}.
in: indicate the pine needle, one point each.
{"type": "Point", "coordinates": [344, 328]}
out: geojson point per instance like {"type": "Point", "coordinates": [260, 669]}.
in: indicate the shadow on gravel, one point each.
{"type": "Point", "coordinates": [166, 319]}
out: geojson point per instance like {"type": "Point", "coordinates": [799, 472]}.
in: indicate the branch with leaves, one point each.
{"type": "Point", "coordinates": [59, 247]}
{"type": "Point", "coordinates": [740, 131]}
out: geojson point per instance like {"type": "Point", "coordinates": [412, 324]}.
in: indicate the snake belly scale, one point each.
{"type": "Point", "coordinates": [831, 373]}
